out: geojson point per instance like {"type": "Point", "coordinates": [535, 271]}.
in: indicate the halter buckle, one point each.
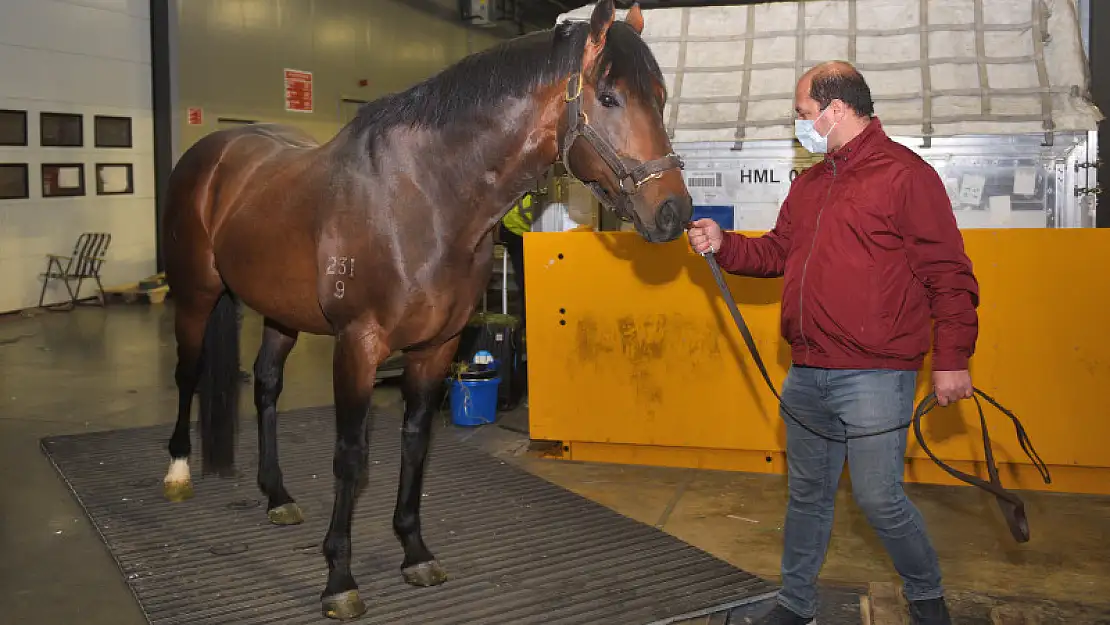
{"type": "Point", "coordinates": [576, 84]}
{"type": "Point", "coordinates": [636, 184]}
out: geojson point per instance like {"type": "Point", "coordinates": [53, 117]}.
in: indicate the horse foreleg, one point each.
{"type": "Point", "coordinates": [423, 391]}
{"type": "Point", "coordinates": [189, 324]}
{"type": "Point", "coordinates": [269, 369]}
{"type": "Point", "coordinates": [357, 355]}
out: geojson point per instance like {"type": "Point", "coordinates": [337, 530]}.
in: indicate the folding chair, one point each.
{"type": "Point", "coordinates": [84, 264]}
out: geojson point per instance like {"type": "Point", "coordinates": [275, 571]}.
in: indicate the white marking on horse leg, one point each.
{"type": "Point", "coordinates": [179, 471]}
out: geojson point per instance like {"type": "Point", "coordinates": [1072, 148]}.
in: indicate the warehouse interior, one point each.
{"type": "Point", "coordinates": [646, 404]}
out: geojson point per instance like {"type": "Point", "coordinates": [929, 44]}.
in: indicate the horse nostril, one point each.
{"type": "Point", "coordinates": [668, 215]}
{"type": "Point", "coordinates": [673, 215]}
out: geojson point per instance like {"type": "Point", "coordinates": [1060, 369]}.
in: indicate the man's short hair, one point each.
{"type": "Point", "coordinates": [846, 85]}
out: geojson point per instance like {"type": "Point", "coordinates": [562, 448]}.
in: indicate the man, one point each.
{"type": "Point", "coordinates": [511, 231]}
{"type": "Point", "coordinates": [869, 249]}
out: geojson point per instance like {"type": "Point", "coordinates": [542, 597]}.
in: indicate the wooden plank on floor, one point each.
{"type": "Point", "coordinates": [1010, 615]}
{"type": "Point", "coordinates": [886, 604]}
{"type": "Point", "coordinates": [720, 618]}
{"type": "Point", "coordinates": [864, 610]}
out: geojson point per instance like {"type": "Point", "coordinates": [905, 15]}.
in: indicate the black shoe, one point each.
{"type": "Point", "coordinates": [930, 612]}
{"type": "Point", "coordinates": [783, 616]}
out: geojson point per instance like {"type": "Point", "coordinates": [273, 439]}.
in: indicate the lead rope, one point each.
{"type": "Point", "coordinates": [1012, 507]}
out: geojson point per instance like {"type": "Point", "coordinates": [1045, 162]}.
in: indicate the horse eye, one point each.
{"type": "Point", "coordinates": [608, 100]}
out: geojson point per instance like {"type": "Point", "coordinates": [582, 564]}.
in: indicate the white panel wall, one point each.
{"type": "Point", "coordinates": [76, 56]}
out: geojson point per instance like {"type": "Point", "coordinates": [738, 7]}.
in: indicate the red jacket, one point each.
{"type": "Point", "coordinates": [869, 248]}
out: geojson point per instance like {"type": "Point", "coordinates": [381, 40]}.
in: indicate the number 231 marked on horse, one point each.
{"type": "Point", "coordinates": [343, 266]}
{"type": "Point", "coordinates": [588, 93]}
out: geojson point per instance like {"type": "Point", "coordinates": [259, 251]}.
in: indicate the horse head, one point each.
{"type": "Point", "coordinates": [613, 139]}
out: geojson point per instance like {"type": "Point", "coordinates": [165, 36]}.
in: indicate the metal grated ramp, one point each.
{"type": "Point", "coordinates": [518, 548]}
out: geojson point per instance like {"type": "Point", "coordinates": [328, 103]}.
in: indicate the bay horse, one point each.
{"type": "Point", "coordinates": [382, 238]}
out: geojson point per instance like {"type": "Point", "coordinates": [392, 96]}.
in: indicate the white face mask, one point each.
{"type": "Point", "coordinates": [806, 132]}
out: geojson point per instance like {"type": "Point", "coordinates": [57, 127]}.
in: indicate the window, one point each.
{"type": "Point", "coordinates": [13, 181]}
{"type": "Point", "coordinates": [114, 179]}
{"type": "Point", "coordinates": [111, 132]}
{"type": "Point", "coordinates": [61, 130]}
{"type": "Point", "coordinates": [63, 180]}
{"type": "Point", "coordinates": [13, 127]}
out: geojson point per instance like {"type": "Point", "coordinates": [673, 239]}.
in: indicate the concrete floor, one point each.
{"type": "Point", "coordinates": [94, 369]}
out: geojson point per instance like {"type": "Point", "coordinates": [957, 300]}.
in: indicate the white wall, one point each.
{"type": "Point", "coordinates": [76, 56]}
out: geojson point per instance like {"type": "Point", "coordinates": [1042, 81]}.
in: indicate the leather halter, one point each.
{"type": "Point", "coordinates": [630, 180]}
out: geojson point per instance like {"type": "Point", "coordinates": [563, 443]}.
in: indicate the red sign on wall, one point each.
{"type": "Point", "coordinates": [196, 115]}
{"type": "Point", "coordinates": [298, 91]}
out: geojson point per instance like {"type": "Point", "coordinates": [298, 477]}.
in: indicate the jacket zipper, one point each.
{"type": "Point", "coordinates": [805, 265]}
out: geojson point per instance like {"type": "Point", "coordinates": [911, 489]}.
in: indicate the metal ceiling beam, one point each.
{"type": "Point", "coordinates": [449, 11]}
{"type": "Point", "coordinates": [563, 7]}
{"type": "Point", "coordinates": [667, 4]}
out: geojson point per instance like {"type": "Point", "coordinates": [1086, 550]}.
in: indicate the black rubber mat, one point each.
{"type": "Point", "coordinates": [518, 548]}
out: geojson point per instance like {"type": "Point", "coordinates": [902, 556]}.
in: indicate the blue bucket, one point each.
{"type": "Point", "coordinates": [474, 402]}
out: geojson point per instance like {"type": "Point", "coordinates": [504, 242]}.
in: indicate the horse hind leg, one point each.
{"type": "Point", "coordinates": [423, 391]}
{"type": "Point", "coordinates": [269, 369]}
{"type": "Point", "coordinates": [190, 320]}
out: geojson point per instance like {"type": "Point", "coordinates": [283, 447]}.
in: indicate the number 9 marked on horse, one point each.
{"type": "Point", "coordinates": [267, 216]}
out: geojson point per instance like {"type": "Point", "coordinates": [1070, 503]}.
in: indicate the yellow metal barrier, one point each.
{"type": "Point", "coordinates": [633, 358]}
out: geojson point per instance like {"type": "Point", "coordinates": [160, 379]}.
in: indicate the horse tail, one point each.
{"type": "Point", "coordinates": [219, 386]}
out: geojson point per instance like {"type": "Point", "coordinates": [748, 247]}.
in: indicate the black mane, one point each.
{"type": "Point", "coordinates": [513, 68]}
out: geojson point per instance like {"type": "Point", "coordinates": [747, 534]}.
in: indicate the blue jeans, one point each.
{"type": "Point", "coordinates": [836, 403]}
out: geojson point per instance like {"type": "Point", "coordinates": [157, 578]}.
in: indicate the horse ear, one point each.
{"type": "Point", "coordinates": [635, 18]}
{"type": "Point", "coordinates": [601, 20]}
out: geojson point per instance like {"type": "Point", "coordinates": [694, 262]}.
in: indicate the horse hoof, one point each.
{"type": "Point", "coordinates": [178, 491]}
{"type": "Point", "coordinates": [425, 574]}
{"type": "Point", "coordinates": [287, 514]}
{"type": "Point", "coordinates": [344, 606]}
